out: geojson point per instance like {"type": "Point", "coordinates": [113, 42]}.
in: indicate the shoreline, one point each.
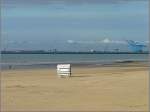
{"type": "Point", "coordinates": [116, 63]}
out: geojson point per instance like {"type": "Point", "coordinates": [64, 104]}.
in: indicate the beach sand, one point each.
{"type": "Point", "coordinates": [91, 88]}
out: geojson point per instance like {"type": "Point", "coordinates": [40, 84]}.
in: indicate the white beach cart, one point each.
{"type": "Point", "coordinates": [64, 70]}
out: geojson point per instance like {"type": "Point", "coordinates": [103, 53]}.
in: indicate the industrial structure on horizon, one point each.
{"type": "Point", "coordinates": [135, 46]}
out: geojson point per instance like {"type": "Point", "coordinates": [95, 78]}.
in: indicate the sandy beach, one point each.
{"type": "Point", "coordinates": [89, 88]}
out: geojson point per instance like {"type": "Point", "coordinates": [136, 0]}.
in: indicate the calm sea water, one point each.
{"type": "Point", "coordinates": [52, 59]}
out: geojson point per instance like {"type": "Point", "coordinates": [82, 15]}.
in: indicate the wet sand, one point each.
{"type": "Point", "coordinates": [91, 88]}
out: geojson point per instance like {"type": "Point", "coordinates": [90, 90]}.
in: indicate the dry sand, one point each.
{"type": "Point", "coordinates": [95, 88]}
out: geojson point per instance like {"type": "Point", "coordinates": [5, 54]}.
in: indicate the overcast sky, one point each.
{"type": "Point", "coordinates": [43, 24]}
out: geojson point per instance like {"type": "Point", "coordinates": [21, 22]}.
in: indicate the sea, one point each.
{"type": "Point", "coordinates": [15, 61]}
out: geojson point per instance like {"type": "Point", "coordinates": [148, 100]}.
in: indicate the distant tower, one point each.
{"type": "Point", "coordinates": [55, 50]}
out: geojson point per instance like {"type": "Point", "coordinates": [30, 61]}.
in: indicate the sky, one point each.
{"type": "Point", "coordinates": [72, 24]}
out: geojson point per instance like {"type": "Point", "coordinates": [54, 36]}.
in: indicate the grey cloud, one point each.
{"type": "Point", "coordinates": [18, 42]}
{"type": "Point", "coordinates": [104, 41]}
